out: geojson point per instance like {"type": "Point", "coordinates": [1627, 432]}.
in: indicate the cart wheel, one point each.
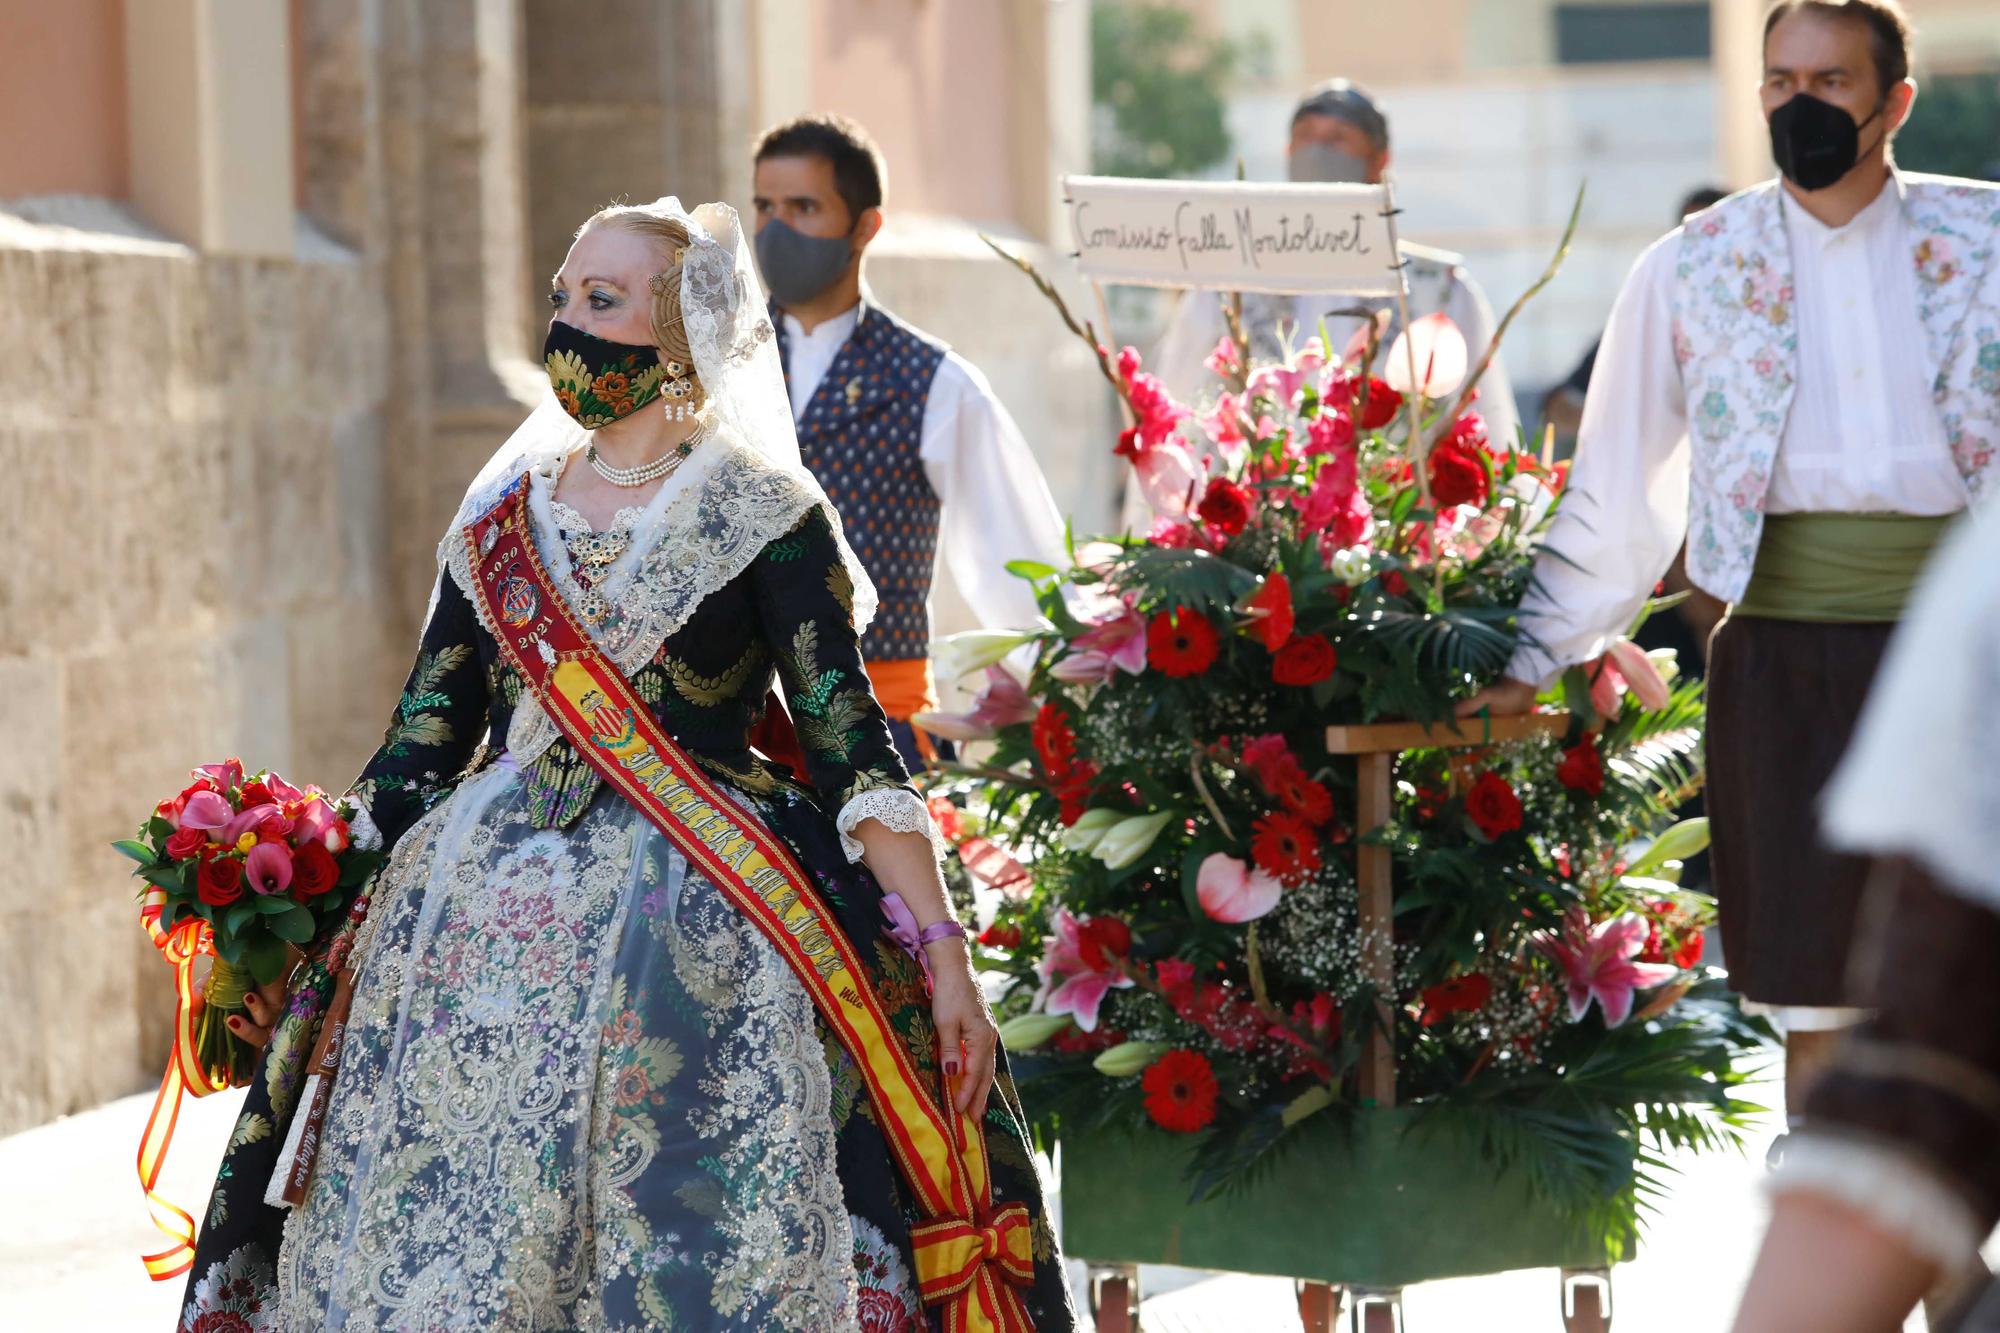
{"type": "Point", "coordinates": [1114, 1297]}
{"type": "Point", "coordinates": [1319, 1306]}
{"type": "Point", "coordinates": [1586, 1300]}
{"type": "Point", "coordinates": [1378, 1311]}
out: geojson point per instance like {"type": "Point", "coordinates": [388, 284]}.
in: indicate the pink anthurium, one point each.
{"type": "Point", "coordinates": [1439, 353]}
{"type": "Point", "coordinates": [1598, 964]}
{"type": "Point", "coordinates": [1230, 891]}
{"type": "Point", "coordinates": [1003, 702]}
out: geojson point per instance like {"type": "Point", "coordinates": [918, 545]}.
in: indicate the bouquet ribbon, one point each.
{"type": "Point", "coordinates": [977, 1255]}
{"type": "Point", "coordinates": [180, 947]}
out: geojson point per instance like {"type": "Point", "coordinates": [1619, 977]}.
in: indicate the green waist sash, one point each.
{"type": "Point", "coordinates": [1839, 567]}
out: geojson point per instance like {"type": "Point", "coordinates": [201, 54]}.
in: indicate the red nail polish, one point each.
{"type": "Point", "coordinates": [951, 1068]}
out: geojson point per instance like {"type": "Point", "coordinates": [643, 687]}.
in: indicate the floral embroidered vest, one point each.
{"type": "Point", "coordinates": [1736, 340]}
{"type": "Point", "coordinates": [862, 436]}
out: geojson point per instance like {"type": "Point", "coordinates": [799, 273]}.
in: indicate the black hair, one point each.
{"type": "Point", "coordinates": [858, 173]}
{"type": "Point", "coordinates": [1344, 100]}
{"type": "Point", "coordinates": [1705, 197]}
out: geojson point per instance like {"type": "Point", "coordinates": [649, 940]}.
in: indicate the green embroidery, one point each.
{"type": "Point", "coordinates": [787, 549]}
{"type": "Point", "coordinates": [415, 724]}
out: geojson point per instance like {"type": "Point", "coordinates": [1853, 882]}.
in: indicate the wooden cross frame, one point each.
{"type": "Point", "coordinates": [1375, 746]}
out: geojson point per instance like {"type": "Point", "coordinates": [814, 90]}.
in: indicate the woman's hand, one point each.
{"type": "Point", "coordinates": [968, 1038]}
{"type": "Point", "coordinates": [1505, 697]}
{"type": "Point", "coordinates": [263, 1003]}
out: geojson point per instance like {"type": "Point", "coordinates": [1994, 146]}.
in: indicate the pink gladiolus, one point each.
{"type": "Point", "coordinates": [1597, 963]}
{"type": "Point", "coordinates": [1640, 674]}
{"type": "Point", "coordinates": [268, 868]}
{"type": "Point", "coordinates": [1003, 702]}
{"type": "Point", "coordinates": [1222, 359]}
{"type": "Point", "coordinates": [1231, 892]}
{"type": "Point", "coordinates": [1070, 984]}
{"type": "Point", "coordinates": [1281, 384]}
{"type": "Point", "coordinates": [1331, 432]}
{"type": "Point", "coordinates": [206, 810]}
{"type": "Point", "coordinates": [1352, 521]}
{"type": "Point", "coordinates": [1440, 356]}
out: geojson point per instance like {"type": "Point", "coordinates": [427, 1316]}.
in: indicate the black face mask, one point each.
{"type": "Point", "coordinates": [1815, 143]}
{"type": "Point", "coordinates": [598, 381]}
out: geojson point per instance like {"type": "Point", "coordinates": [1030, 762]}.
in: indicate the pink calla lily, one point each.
{"type": "Point", "coordinates": [227, 775]}
{"type": "Point", "coordinates": [315, 819]}
{"type": "Point", "coordinates": [1231, 892]}
{"type": "Point", "coordinates": [1439, 352]}
{"type": "Point", "coordinates": [250, 821]}
{"type": "Point", "coordinates": [1597, 963]}
{"type": "Point", "coordinates": [268, 868]}
{"type": "Point", "coordinates": [206, 810]}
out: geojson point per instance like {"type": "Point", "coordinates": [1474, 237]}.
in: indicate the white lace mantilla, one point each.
{"type": "Point", "coordinates": [708, 522]}
{"type": "Point", "coordinates": [897, 808]}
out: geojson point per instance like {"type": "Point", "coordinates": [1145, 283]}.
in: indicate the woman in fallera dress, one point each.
{"type": "Point", "coordinates": [579, 1086]}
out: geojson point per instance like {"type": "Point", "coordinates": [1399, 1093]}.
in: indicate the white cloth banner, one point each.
{"type": "Point", "coordinates": [1234, 235]}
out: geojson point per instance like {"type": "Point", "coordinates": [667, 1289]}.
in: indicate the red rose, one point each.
{"type": "Point", "coordinates": [1285, 847]}
{"type": "Point", "coordinates": [256, 793]}
{"type": "Point", "coordinates": [1376, 404]}
{"type": "Point", "coordinates": [1460, 995]}
{"type": "Point", "coordinates": [1225, 506]}
{"type": "Point", "coordinates": [1307, 660]}
{"type": "Point", "coordinates": [219, 881]}
{"type": "Point", "coordinates": [1493, 806]}
{"type": "Point", "coordinates": [1457, 476]}
{"type": "Point", "coordinates": [1582, 768]}
{"type": "Point", "coordinates": [314, 871]}
{"type": "Point", "coordinates": [1469, 432]}
{"type": "Point", "coordinates": [187, 844]}
{"type": "Point", "coordinates": [1275, 619]}
{"type": "Point", "coordinates": [1180, 642]}
{"type": "Point", "coordinates": [1180, 1091]}
{"type": "Point", "coordinates": [1395, 584]}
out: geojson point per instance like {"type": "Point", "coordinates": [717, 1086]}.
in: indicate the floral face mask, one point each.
{"type": "Point", "coordinates": [598, 381]}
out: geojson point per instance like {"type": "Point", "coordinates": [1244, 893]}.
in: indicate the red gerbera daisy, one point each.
{"type": "Point", "coordinates": [1309, 800]}
{"type": "Point", "coordinates": [1284, 847]}
{"type": "Point", "coordinates": [1180, 1091]}
{"type": "Point", "coordinates": [1272, 605]}
{"type": "Point", "coordinates": [1180, 642]}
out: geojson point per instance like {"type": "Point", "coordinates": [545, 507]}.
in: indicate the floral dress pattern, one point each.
{"type": "Point", "coordinates": [579, 1090]}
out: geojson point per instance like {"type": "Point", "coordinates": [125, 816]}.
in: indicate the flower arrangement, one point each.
{"type": "Point", "coordinates": [246, 868]}
{"type": "Point", "coordinates": [1336, 540]}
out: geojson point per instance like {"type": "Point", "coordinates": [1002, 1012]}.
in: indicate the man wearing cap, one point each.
{"type": "Point", "coordinates": [1339, 135]}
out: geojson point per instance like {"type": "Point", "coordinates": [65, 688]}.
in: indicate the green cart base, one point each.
{"type": "Point", "coordinates": [1369, 1203]}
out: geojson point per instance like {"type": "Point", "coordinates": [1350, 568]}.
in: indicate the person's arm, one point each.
{"type": "Point", "coordinates": [1626, 506]}
{"type": "Point", "coordinates": [805, 611]}
{"type": "Point", "coordinates": [997, 506]}
{"type": "Point", "coordinates": [436, 725]}
{"type": "Point", "coordinates": [1468, 308]}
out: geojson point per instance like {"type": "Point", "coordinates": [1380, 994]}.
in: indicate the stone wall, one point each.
{"type": "Point", "coordinates": [191, 537]}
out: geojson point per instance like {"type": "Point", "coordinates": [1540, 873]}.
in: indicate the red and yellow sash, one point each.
{"type": "Point", "coordinates": [970, 1257]}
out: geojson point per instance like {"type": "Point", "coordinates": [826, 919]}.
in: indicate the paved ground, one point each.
{"type": "Point", "coordinates": [75, 1223]}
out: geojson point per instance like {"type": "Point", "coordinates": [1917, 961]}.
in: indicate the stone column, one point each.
{"type": "Point", "coordinates": [1051, 122]}
{"type": "Point", "coordinates": [210, 117]}
{"type": "Point", "coordinates": [1743, 147]}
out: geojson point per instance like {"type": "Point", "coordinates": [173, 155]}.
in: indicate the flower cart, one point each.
{"type": "Point", "coordinates": [1304, 977]}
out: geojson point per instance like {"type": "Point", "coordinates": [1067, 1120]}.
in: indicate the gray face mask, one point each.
{"type": "Point", "coordinates": [797, 267]}
{"type": "Point", "coordinates": [1318, 164]}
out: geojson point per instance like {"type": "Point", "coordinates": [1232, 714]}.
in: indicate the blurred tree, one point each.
{"type": "Point", "coordinates": [1158, 86]}
{"type": "Point", "coordinates": [1955, 127]}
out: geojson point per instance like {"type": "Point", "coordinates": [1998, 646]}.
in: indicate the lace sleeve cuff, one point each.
{"type": "Point", "coordinates": [361, 828]}
{"type": "Point", "coordinates": [897, 808]}
{"type": "Point", "coordinates": [1893, 1189]}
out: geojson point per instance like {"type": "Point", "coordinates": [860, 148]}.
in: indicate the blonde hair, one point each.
{"type": "Point", "coordinates": [670, 235]}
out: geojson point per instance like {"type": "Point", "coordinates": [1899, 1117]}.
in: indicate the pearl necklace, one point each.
{"type": "Point", "coordinates": [629, 477]}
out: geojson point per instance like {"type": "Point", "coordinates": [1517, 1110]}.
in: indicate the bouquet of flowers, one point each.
{"type": "Point", "coordinates": [1338, 540]}
{"type": "Point", "coordinates": [244, 868]}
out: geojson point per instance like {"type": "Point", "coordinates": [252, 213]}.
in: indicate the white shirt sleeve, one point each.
{"type": "Point", "coordinates": [997, 506]}
{"type": "Point", "coordinates": [1625, 512]}
{"type": "Point", "coordinates": [1468, 308]}
{"type": "Point", "coordinates": [1181, 359]}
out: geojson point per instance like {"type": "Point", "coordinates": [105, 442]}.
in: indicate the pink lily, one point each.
{"type": "Point", "coordinates": [1168, 478]}
{"type": "Point", "coordinates": [1597, 963]}
{"type": "Point", "coordinates": [268, 868]}
{"type": "Point", "coordinates": [1640, 674]}
{"type": "Point", "coordinates": [1070, 985]}
{"type": "Point", "coordinates": [1281, 384]}
{"type": "Point", "coordinates": [1003, 702]}
{"type": "Point", "coordinates": [1121, 638]}
{"type": "Point", "coordinates": [1231, 892]}
{"type": "Point", "coordinates": [206, 810]}
{"type": "Point", "coordinates": [1439, 352]}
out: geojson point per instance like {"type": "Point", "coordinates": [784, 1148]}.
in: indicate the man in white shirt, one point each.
{"type": "Point", "coordinates": [905, 434]}
{"type": "Point", "coordinates": [1805, 381]}
{"type": "Point", "coordinates": [1339, 135]}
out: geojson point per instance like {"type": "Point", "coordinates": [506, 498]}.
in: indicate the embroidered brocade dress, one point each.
{"type": "Point", "coordinates": [578, 1089]}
